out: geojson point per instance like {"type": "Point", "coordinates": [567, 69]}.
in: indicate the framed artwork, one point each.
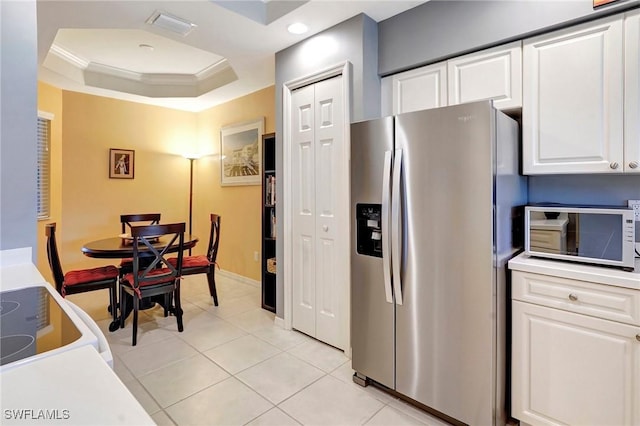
{"type": "Point", "coordinates": [121, 163]}
{"type": "Point", "coordinates": [241, 153]}
{"type": "Point", "coordinates": [597, 3]}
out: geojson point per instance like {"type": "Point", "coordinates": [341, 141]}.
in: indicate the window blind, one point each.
{"type": "Point", "coordinates": [44, 167]}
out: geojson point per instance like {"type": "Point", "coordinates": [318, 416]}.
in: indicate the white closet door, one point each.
{"type": "Point", "coordinates": [303, 207]}
{"type": "Point", "coordinates": [320, 200]}
{"type": "Point", "coordinates": [332, 232]}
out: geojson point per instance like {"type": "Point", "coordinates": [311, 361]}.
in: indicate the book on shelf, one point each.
{"type": "Point", "coordinates": [273, 223]}
{"type": "Point", "coordinates": [270, 190]}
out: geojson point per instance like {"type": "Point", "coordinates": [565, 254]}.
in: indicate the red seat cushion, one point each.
{"type": "Point", "coordinates": [191, 261]}
{"type": "Point", "coordinates": [83, 276]}
{"type": "Point", "coordinates": [126, 262]}
{"type": "Point", "coordinates": [128, 278]}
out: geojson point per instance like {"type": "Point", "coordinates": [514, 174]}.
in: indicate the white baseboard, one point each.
{"type": "Point", "coordinates": [238, 277]}
{"type": "Point", "coordinates": [254, 283]}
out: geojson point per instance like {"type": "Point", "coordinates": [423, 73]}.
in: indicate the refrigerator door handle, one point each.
{"type": "Point", "coordinates": [386, 246]}
{"type": "Point", "coordinates": [396, 226]}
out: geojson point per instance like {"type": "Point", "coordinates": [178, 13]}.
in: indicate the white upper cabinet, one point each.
{"type": "Point", "coordinates": [632, 92]}
{"type": "Point", "coordinates": [490, 74]}
{"type": "Point", "coordinates": [572, 112]}
{"type": "Point", "coordinates": [421, 88]}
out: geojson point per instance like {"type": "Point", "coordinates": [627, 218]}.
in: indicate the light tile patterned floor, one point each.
{"type": "Point", "coordinates": [233, 366]}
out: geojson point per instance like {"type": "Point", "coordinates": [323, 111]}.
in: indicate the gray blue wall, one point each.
{"type": "Point", "coordinates": [440, 29]}
{"type": "Point", "coordinates": [357, 42]}
{"type": "Point", "coordinates": [612, 190]}
{"type": "Point", "coordinates": [18, 120]}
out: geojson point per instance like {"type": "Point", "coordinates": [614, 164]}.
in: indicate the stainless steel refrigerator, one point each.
{"type": "Point", "coordinates": [433, 197]}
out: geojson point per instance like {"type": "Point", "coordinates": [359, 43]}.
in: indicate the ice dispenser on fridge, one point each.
{"type": "Point", "coordinates": [368, 232]}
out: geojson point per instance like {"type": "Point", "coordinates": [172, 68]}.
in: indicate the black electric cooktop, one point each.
{"type": "Point", "coordinates": [31, 323]}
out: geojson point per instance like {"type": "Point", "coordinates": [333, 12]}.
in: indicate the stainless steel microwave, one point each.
{"type": "Point", "coordinates": [596, 235]}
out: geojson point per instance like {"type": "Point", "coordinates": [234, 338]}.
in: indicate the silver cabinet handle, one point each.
{"type": "Point", "coordinates": [633, 165]}
{"type": "Point", "coordinates": [573, 297]}
{"type": "Point", "coordinates": [325, 228]}
{"type": "Point", "coordinates": [614, 165]}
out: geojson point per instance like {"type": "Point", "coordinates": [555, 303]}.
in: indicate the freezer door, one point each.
{"type": "Point", "coordinates": [445, 327]}
{"type": "Point", "coordinates": [372, 309]}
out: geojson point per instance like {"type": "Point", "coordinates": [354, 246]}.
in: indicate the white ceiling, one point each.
{"type": "Point", "coordinates": [230, 52]}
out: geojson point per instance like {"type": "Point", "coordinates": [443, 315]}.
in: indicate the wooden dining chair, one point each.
{"type": "Point", "coordinates": [81, 280]}
{"type": "Point", "coordinates": [192, 265]}
{"type": "Point", "coordinates": [154, 276]}
{"type": "Point", "coordinates": [126, 222]}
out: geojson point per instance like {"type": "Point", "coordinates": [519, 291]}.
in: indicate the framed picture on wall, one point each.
{"type": "Point", "coordinates": [597, 3]}
{"type": "Point", "coordinates": [241, 153]}
{"type": "Point", "coordinates": [121, 163]}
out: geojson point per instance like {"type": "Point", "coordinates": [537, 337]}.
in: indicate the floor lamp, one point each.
{"type": "Point", "coordinates": [191, 159]}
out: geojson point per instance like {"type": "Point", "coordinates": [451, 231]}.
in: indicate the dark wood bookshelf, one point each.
{"type": "Point", "coordinates": [269, 236]}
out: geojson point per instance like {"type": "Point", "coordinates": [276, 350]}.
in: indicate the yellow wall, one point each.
{"type": "Point", "coordinates": [50, 101]}
{"type": "Point", "coordinates": [239, 206]}
{"type": "Point", "coordinates": [90, 203]}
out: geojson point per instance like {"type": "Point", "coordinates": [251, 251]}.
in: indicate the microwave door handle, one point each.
{"type": "Point", "coordinates": [386, 245]}
{"type": "Point", "coordinates": [396, 226]}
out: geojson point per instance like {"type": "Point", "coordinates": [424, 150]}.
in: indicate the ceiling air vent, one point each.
{"type": "Point", "coordinates": [171, 23]}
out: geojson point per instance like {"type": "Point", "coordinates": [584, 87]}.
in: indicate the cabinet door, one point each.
{"type": "Point", "coordinates": [421, 88]}
{"type": "Point", "coordinates": [632, 92]}
{"type": "Point", "coordinates": [572, 369]}
{"type": "Point", "coordinates": [572, 111]}
{"type": "Point", "coordinates": [490, 74]}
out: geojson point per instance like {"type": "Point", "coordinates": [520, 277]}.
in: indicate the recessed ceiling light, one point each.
{"type": "Point", "coordinates": [297, 28]}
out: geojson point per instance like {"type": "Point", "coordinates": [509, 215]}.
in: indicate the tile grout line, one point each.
{"type": "Point", "coordinates": [261, 334]}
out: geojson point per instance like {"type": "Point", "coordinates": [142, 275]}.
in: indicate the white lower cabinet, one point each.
{"type": "Point", "coordinates": [569, 368]}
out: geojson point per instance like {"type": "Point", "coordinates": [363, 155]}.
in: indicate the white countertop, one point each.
{"type": "Point", "coordinates": [17, 271]}
{"type": "Point", "coordinates": [577, 271]}
{"type": "Point", "coordinates": [77, 387]}
{"type": "Point", "coordinates": [74, 386]}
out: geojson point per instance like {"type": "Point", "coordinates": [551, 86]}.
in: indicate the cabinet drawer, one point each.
{"type": "Point", "coordinates": [598, 300]}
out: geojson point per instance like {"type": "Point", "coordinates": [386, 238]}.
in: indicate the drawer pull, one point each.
{"type": "Point", "coordinates": [573, 297]}
{"type": "Point", "coordinates": [638, 337]}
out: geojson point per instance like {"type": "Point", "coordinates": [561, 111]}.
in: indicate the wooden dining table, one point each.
{"type": "Point", "coordinates": [121, 248]}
